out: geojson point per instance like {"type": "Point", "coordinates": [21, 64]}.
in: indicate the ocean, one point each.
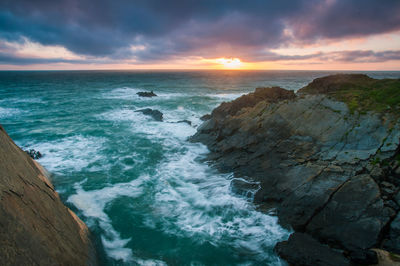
{"type": "Point", "coordinates": [146, 192]}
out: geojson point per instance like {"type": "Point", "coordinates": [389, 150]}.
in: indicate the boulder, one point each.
{"type": "Point", "coordinates": [155, 114]}
{"type": "Point", "coordinates": [146, 94]}
{"type": "Point", "coordinates": [34, 154]}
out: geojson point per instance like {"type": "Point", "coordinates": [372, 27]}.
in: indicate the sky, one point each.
{"type": "Point", "coordinates": [200, 34]}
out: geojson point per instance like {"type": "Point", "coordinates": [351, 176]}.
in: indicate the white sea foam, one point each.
{"type": "Point", "coordinates": [196, 202]}
{"type": "Point", "coordinates": [8, 112]}
{"type": "Point", "coordinates": [121, 93]}
{"type": "Point", "coordinates": [92, 204]}
{"type": "Point", "coordinates": [189, 199]}
{"type": "Point", "coordinates": [226, 96]}
{"type": "Point", "coordinates": [17, 100]}
{"type": "Point", "coordinates": [69, 154]}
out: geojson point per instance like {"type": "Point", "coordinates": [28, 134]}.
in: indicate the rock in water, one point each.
{"type": "Point", "coordinates": [325, 158]}
{"type": "Point", "coordinates": [146, 94]}
{"type": "Point", "coordinates": [157, 115]}
{"type": "Point", "coordinates": [185, 121]}
{"type": "Point", "coordinates": [36, 227]}
{"type": "Point", "coordinates": [34, 154]}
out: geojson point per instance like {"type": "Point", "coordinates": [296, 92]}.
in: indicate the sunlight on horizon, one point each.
{"type": "Point", "coordinates": [229, 63]}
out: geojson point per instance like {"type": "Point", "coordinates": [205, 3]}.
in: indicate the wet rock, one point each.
{"type": "Point", "coordinates": [155, 114]}
{"type": "Point", "coordinates": [302, 249]}
{"type": "Point", "coordinates": [185, 121]}
{"type": "Point", "coordinates": [363, 257]}
{"type": "Point", "coordinates": [34, 154]}
{"type": "Point", "coordinates": [146, 94]}
{"type": "Point", "coordinates": [205, 117]}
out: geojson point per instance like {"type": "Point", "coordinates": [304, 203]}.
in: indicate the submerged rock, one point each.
{"type": "Point", "coordinates": [36, 227]}
{"type": "Point", "coordinates": [34, 154]}
{"type": "Point", "coordinates": [185, 121]}
{"type": "Point", "coordinates": [155, 114]}
{"type": "Point", "coordinates": [316, 156]}
{"type": "Point", "coordinates": [146, 94]}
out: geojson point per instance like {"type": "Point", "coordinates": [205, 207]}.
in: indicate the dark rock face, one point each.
{"type": "Point", "coordinates": [364, 257]}
{"type": "Point", "coordinates": [302, 249]}
{"type": "Point", "coordinates": [354, 216]}
{"type": "Point", "coordinates": [155, 114]}
{"type": "Point", "coordinates": [34, 154]}
{"type": "Point", "coordinates": [36, 228]}
{"type": "Point", "coordinates": [146, 94]}
{"type": "Point", "coordinates": [329, 172]}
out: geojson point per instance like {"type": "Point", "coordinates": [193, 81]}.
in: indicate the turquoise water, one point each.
{"type": "Point", "coordinates": [142, 188]}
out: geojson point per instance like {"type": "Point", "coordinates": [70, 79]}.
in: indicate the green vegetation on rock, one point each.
{"type": "Point", "coordinates": [360, 92]}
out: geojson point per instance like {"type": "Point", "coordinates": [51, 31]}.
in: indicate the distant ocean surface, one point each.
{"type": "Point", "coordinates": [141, 187]}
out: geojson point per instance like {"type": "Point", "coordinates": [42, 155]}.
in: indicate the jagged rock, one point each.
{"type": "Point", "coordinates": [34, 154]}
{"type": "Point", "coordinates": [146, 94]}
{"type": "Point", "coordinates": [313, 155]}
{"type": "Point", "coordinates": [185, 121]}
{"type": "Point", "coordinates": [205, 117]}
{"type": "Point", "coordinates": [302, 249]}
{"type": "Point", "coordinates": [36, 227]}
{"type": "Point", "coordinates": [157, 115]}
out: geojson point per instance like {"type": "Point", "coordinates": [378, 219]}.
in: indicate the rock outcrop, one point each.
{"type": "Point", "coordinates": [36, 228]}
{"type": "Point", "coordinates": [327, 158]}
{"type": "Point", "coordinates": [146, 94]}
{"type": "Point", "coordinates": [155, 114]}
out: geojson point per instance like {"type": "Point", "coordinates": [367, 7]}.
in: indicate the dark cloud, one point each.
{"type": "Point", "coordinates": [208, 28]}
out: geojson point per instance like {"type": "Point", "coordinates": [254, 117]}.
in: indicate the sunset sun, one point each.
{"type": "Point", "coordinates": [229, 63]}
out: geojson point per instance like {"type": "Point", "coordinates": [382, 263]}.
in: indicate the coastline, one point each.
{"type": "Point", "coordinates": [330, 171]}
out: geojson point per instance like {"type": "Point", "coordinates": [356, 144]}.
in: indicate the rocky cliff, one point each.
{"type": "Point", "coordinates": [35, 227]}
{"type": "Point", "coordinates": [326, 158]}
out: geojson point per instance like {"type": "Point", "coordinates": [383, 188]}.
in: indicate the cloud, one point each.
{"type": "Point", "coordinates": [207, 28]}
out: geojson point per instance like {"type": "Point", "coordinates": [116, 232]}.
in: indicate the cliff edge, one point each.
{"type": "Point", "coordinates": [36, 227]}
{"type": "Point", "coordinates": [326, 158]}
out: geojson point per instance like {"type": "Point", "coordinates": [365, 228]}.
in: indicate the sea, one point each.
{"type": "Point", "coordinates": [147, 194]}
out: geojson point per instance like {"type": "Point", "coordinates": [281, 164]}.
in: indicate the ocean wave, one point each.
{"type": "Point", "coordinates": [9, 112]}
{"type": "Point", "coordinates": [92, 204]}
{"type": "Point", "coordinates": [72, 153]}
{"type": "Point", "coordinates": [196, 202]}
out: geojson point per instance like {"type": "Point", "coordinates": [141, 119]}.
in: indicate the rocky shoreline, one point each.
{"type": "Point", "coordinates": [36, 227]}
{"type": "Point", "coordinates": [327, 159]}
